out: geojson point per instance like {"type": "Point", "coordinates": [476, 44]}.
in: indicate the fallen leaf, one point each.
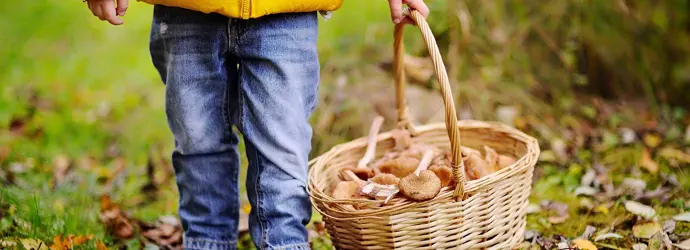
{"type": "Point", "coordinates": [682, 217]}
{"type": "Point", "coordinates": [32, 244]}
{"type": "Point", "coordinates": [627, 135]}
{"type": "Point", "coordinates": [639, 246]}
{"type": "Point", "coordinates": [585, 190]}
{"type": "Point", "coordinates": [586, 203]}
{"type": "Point", "coordinates": [640, 209]}
{"type": "Point", "coordinates": [557, 219]}
{"type": "Point", "coordinates": [602, 209]}
{"type": "Point", "coordinates": [548, 156]}
{"type": "Point", "coordinates": [530, 234]}
{"type": "Point", "coordinates": [669, 226]}
{"type": "Point", "coordinates": [100, 246]}
{"type": "Point", "coordinates": [7, 243]}
{"type": "Point", "coordinates": [166, 232]}
{"type": "Point", "coordinates": [655, 241]}
{"type": "Point", "coordinates": [646, 229]}
{"type": "Point", "coordinates": [647, 162]}
{"type": "Point", "coordinates": [584, 244]}
{"type": "Point", "coordinates": [589, 231]}
{"type": "Point", "coordinates": [685, 245]}
{"type": "Point", "coordinates": [115, 221]}
{"type": "Point", "coordinates": [666, 241]}
{"type": "Point", "coordinates": [533, 208]}
{"type": "Point", "coordinates": [70, 242]}
{"type": "Point", "coordinates": [633, 184]}
{"type": "Point", "coordinates": [608, 236]}
{"type": "Point", "coordinates": [651, 140]}
{"type": "Point", "coordinates": [672, 153]}
{"type": "Point", "coordinates": [559, 148]}
{"type": "Point", "coordinates": [561, 210]}
{"type": "Point", "coordinates": [588, 178]}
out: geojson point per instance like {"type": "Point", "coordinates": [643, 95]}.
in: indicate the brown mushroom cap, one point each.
{"type": "Point", "coordinates": [399, 167]}
{"type": "Point", "coordinates": [491, 157]}
{"type": "Point", "coordinates": [420, 188]}
{"type": "Point", "coordinates": [402, 138]}
{"type": "Point", "coordinates": [386, 179]}
{"type": "Point", "coordinates": [345, 190]}
{"type": "Point", "coordinates": [422, 184]}
{"type": "Point", "coordinates": [443, 172]}
{"type": "Point", "coordinates": [476, 167]}
{"type": "Point", "coordinates": [504, 161]}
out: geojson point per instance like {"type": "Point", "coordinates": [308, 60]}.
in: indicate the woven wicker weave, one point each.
{"type": "Point", "coordinates": [484, 213]}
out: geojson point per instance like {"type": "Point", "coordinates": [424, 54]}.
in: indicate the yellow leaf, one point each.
{"type": "Point", "coordinates": [100, 246]}
{"type": "Point", "coordinates": [69, 242]}
{"type": "Point", "coordinates": [584, 244]}
{"type": "Point", "coordinates": [651, 140]}
{"type": "Point", "coordinates": [601, 209]}
{"type": "Point", "coordinates": [32, 244]}
{"type": "Point", "coordinates": [647, 162]}
{"type": "Point", "coordinates": [671, 153]}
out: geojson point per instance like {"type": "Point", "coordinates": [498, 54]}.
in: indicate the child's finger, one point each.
{"type": "Point", "coordinates": [91, 7]}
{"type": "Point", "coordinates": [97, 11]}
{"type": "Point", "coordinates": [122, 7]}
{"type": "Point", "coordinates": [419, 6]}
{"type": "Point", "coordinates": [109, 13]}
{"type": "Point", "coordinates": [396, 10]}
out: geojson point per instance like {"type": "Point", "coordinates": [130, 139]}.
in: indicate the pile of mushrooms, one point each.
{"type": "Point", "coordinates": [412, 169]}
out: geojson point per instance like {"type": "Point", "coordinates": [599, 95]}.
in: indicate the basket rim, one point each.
{"type": "Point", "coordinates": [318, 197]}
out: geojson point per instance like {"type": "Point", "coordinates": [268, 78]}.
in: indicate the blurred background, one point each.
{"type": "Point", "coordinates": [603, 85]}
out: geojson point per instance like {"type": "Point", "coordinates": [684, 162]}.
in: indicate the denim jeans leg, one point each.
{"type": "Point", "coordinates": [190, 51]}
{"type": "Point", "coordinates": [279, 75]}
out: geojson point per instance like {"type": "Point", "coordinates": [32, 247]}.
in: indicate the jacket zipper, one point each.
{"type": "Point", "coordinates": [244, 8]}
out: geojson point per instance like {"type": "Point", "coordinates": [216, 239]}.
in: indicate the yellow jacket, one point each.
{"type": "Point", "coordinates": [246, 9]}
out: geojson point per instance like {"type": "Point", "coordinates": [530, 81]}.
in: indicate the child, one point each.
{"type": "Point", "coordinates": [252, 65]}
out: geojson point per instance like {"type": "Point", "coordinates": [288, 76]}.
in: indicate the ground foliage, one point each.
{"type": "Point", "coordinates": [84, 147]}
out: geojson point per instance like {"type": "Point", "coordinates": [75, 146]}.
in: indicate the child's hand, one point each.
{"type": "Point", "coordinates": [396, 10]}
{"type": "Point", "coordinates": [105, 10]}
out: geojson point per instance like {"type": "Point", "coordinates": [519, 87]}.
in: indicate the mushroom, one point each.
{"type": "Point", "coordinates": [348, 188]}
{"type": "Point", "coordinates": [497, 161]}
{"type": "Point", "coordinates": [444, 174]}
{"type": "Point", "coordinates": [422, 184]}
{"type": "Point", "coordinates": [476, 167]}
{"type": "Point", "coordinates": [400, 167]}
{"type": "Point", "coordinates": [362, 170]}
{"type": "Point", "coordinates": [386, 179]}
{"type": "Point", "coordinates": [491, 157]}
{"type": "Point", "coordinates": [504, 161]}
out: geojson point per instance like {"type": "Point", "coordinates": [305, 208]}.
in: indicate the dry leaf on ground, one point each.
{"type": "Point", "coordinates": [32, 244]}
{"type": "Point", "coordinates": [115, 221]}
{"type": "Point", "coordinates": [647, 162]}
{"type": "Point", "coordinates": [584, 244]}
{"type": "Point", "coordinates": [682, 217]}
{"type": "Point", "coordinates": [685, 245]}
{"type": "Point", "coordinates": [646, 229]}
{"type": "Point", "coordinates": [69, 242]}
{"type": "Point", "coordinates": [640, 209]}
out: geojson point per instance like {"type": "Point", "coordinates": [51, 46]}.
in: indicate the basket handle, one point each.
{"type": "Point", "coordinates": [442, 77]}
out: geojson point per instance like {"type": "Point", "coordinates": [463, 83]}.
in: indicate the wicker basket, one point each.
{"type": "Point", "coordinates": [486, 213]}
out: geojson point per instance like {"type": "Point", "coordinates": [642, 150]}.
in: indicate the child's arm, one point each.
{"type": "Point", "coordinates": [396, 9]}
{"type": "Point", "coordinates": [106, 10]}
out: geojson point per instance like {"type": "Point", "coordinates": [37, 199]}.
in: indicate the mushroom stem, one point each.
{"type": "Point", "coordinates": [351, 176]}
{"type": "Point", "coordinates": [426, 160]}
{"type": "Point", "coordinates": [371, 142]}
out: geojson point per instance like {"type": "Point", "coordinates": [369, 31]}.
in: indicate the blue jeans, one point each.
{"type": "Point", "coordinates": [260, 76]}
